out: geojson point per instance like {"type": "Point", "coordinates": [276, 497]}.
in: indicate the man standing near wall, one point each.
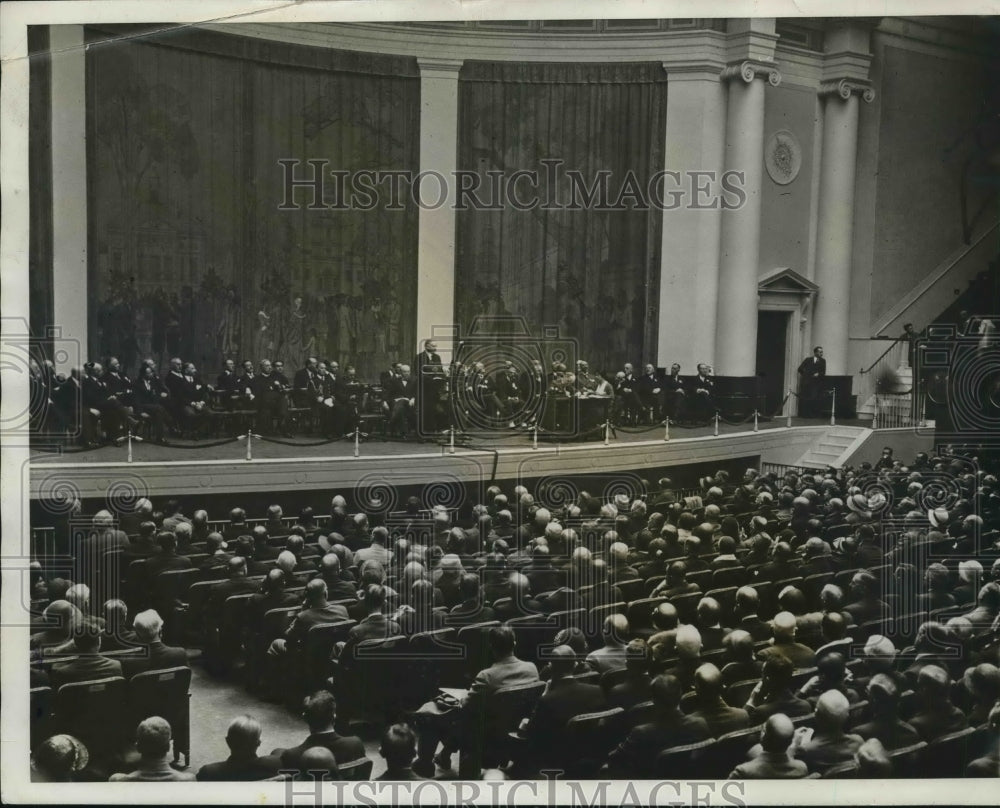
{"type": "Point", "coordinates": [812, 371]}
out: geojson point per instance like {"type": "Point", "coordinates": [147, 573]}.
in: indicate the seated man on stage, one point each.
{"type": "Point", "coordinates": [482, 397]}
{"type": "Point", "coordinates": [117, 383]}
{"type": "Point", "coordinates": [306, 382]}
{"type": "Point", "coordinates": [187, 396]}
{"type": "Point", "coordinates": [401, 397]}
{"type": "Point", "coordinates": [151, 399]}
{"type": "Point", "coordinates": [703, 407]}
{"type": "Point", "coordinates": [272, 404]}
{"type": "Point", "coordinates": [115, 416]}
{"type": "Point", "coordinates": [244, 385]}
{"type": "Point", "coordinates": [812, 371]}
{"type": "Point", "coordinates": [674, 393]}
{"type": "Point", "coordinates": [227, 384]}
{"type": "Point", "coordinates": [586, 382]}
{"type": "Point", "coordinates": [508, 392]}
{"type": "Point", "coordinates": [627, 393]}
{"type": "Point", "coordinates": [279, 374]}
{"type": "Point", "coordinates": [651, 393]}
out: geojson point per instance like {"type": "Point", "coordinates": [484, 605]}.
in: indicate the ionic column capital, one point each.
{"type": "Point", "coordinates": [750, 69]}
{"type": "Point", "coordinates": [845, 88]}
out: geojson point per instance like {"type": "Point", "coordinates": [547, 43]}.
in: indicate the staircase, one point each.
{"type": "Point", "coordinates": [893, 400]}
{"type": "Point", "coordinates": [836, 443]}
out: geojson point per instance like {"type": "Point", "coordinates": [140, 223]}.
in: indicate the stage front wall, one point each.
{"type": "Point", "coordinates": [190, 252]}
{"type": "Point", "coordinates": [592, 272]}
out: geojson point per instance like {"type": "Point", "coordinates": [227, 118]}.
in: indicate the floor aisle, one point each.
{"type": "Point", "coordinates": [216, 702]}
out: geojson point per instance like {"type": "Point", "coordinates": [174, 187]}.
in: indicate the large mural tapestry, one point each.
{"type": "Point", "coordinates": [193, 251]}
{"type": "Point", "coordinates": [587, 264]}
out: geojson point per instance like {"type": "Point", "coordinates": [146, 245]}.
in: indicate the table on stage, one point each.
{"type": "Point", "coordinates": [574, 416]}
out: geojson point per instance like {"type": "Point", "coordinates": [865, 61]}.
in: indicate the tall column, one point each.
{"type": "Point", "coordinates": [69, 190]}
{"type": "Point", "coordinates": [436, 228]}
{"type": "Point", "coordinates": [845, 78]}
{"type": "Point", "coordinates": [736, 316]}
{"type": "Point", "coordinates": [689, 259]}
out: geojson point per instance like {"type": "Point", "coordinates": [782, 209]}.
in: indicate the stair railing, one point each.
{"type": "Point", "coordinates": [880, 384]}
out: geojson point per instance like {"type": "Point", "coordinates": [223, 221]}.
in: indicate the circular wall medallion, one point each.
{"type": "Point", "coordinates": [782, 157]}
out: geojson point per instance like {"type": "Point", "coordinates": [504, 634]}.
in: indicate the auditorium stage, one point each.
{"type": "Point", "coordinates": [293, 465]}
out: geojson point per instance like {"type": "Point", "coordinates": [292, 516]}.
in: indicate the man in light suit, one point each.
{"type": "Point", "coordinates": [457, 725]}
{"type": "Point", "coordinates": [812, 371]}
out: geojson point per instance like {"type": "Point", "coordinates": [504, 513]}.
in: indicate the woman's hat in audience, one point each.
{"type": "Point", "coordinates": [859, 504]}
{"type": "Point", "coordinates": [939, 517]}
{"type": "Point", "coordinates": [62, 751]}
{"type": "Point", "coordinates": [877, 502]}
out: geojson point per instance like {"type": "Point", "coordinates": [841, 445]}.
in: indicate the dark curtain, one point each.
{"type": "Point", "coordinates": [40, 267]}
{"type": "Point", "coordinates": [593, 273]}
{"type": "Point", "coordinates": [192, 254]}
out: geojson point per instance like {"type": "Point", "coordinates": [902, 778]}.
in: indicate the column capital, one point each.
{"type": "Point", "coordinates": [439, 67]}
{"type": "Point", "coordinates": [845, 88]}
{"type": "Point", "coordinates": [703, 70]}
{"type": "Point", "coordinates": [750, 69]}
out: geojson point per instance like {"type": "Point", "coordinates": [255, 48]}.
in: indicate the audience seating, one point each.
{"type": "Point", "coordinates": [689, 762]}
{"type": "Point", "coordinates": [93, 712]}
{"type": "Point", "coordinates": [589, 738]}
{"type": "Point", "coordinates": [165, 693]}
{"type": "Point", "coordinates": [380, 681]}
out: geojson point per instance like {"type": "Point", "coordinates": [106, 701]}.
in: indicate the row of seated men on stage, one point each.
{"type": "Point", "coordinates": [95, 399]}
{"type": "Point", "coordinates": [789, 619]}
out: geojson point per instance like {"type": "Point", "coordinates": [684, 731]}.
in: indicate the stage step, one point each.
{"type": "Point", "coordinates": [836, 443]}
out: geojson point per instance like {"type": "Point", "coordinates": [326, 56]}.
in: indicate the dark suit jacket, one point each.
{"type": "Point", "coordinates": [932, 724]}
{"type": "Point", "coordinates": [801, 656]}
{"type": "Point", "coordinates": [562, 700]}
{"type": "Point", "coordinates": [85, 668]}
{"type": "Point", "coordinates": [163, 562]}
{"type": "Point", "coordinates": [116, 639]}
{"type": "Point", "coordinates": [811, 367]}
{"type": "Point", "coordinates": [629, 693]}
{"type": "Point", "coordinates": [225, 589]}
{"type": "Point", "coordinates": [158, 657]}
{"type": "Point", "coordinates": [721, 718]}
{"type": "Point", "coordinates": [468, 612]}
{"type": "Point", "coordinates": [636, 755]}
{"type": "Point", "coordinates": [758, 629]}
{"type": "Point", "coordinates": [308, 618]}
{"type": "Point", "coordinates": [345, 748]}
{"type": "Point", "coordinates": [374, 627]}
{"type": "Point", "coordinates": [416, 622]}
{"type": "Point", "coordinates": [340, 589]}
{"type": "Point", "coordinates": [242, 771]}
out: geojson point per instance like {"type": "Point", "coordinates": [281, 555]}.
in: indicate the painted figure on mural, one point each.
{"type": "Point", "coordinates": [172, 330]}
{"type": "Point", "coordinates": [393, 311]}
{"type": "Point", "coordinates": [359, 330]}
{"type": "Point", "coordinates": [229, 324]}
{"type": "Point", "coordinates": [345, 336]}
{"type": "Point", "coordinates": [294, 328]}
{"type": "Point", "coordinates": [263, 342]}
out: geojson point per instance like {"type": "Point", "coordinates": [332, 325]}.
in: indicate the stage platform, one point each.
{"type": "Point", "coordinates": [293, 465]}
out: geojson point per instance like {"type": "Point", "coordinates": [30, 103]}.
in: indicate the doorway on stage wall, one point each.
{"type": "Point", "coordinates": [772, 345]}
